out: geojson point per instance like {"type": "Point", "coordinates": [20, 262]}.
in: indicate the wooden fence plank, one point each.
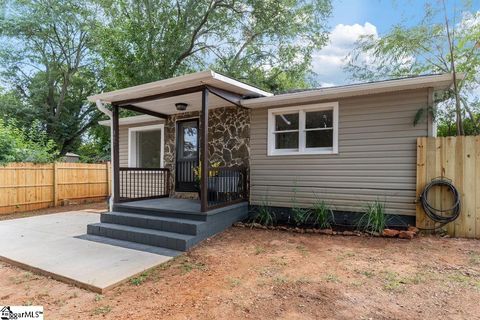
{"type": "Point", "coordinates": [458, 159]}
{"type": "Point", "coordinates": [469, 188]}
{"type": "Point", "coordinates": [421, 178]}
{"type": "Point", "coordinates": [449, 173]}
{"type": "Point", "coordinates": [28, 186]}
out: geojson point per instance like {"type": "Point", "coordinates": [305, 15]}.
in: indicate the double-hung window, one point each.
{"type": "Point", "coordinates": [311, 129]}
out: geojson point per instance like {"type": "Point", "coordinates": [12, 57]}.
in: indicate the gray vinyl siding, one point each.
{"type": "Point", "coordinates": [376, 158]}
{"type": "Point", "coordinates": [123, 139]}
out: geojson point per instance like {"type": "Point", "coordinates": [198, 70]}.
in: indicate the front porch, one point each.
{"type": "Point", "coordinates": [198, 143]}
{"type": "Point", "coordinates": [206, 150]}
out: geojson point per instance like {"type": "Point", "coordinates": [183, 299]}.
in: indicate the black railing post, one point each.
{"type": "Point", "coordinates": [204, 152]}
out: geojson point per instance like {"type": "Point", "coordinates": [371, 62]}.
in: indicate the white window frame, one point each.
{"type": "Point", "coordinates": [132, 143]}
{"type": "Point", "coordinates": [301, 109]}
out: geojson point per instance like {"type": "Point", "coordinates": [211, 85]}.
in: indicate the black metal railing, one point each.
{"type": "Point", "coordinates": [185, 175]}
{"type": "Point", "coordinates": [226, 185]}
{"type": "Point", "coordinates": [143, 183]}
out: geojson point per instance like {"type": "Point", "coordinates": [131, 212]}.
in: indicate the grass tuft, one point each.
{"type": "Point", "coordinates": [374, 218]}
{"type": "Point", "coordinates": [322, 215]}
{"type": "Point", "coordinates": [136, 281]}
{"type": "Point", "coordinates": [102, 310]}
{"type": "Point", "coordinates": [263, 214]}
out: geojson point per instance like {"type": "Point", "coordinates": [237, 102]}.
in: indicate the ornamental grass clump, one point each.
{"type": "Point", "coordinates": [263, 214]}
{"type": "Point", "coordinates": [321, 215]}
{"type": "Point", "coordinates": [374, 218]}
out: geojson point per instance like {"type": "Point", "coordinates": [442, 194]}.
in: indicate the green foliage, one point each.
{"type": "Point", "coordinates": [263, 214]}
{"type": "Point", "coordinates": [56, 53]}
{"type": "Point", "coordinates": [423, 48]}
{"type": "Point", "coordinates": [374, 218]}
{"type": "Point", "coordinates": [96, 148]}
{"type": "Point", "coordinates": [48, 60]}
{"type": "Point", "coordinates": [322, 214]}
{"type": "Point", "coordinates": [17, 145]}
{"type": "Point", "coordinates": [299, 215]}
{"type": "Point", "coordinates": [268, 43]}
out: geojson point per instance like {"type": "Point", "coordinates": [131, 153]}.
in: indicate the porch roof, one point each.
{"type": "Point", "coordinates": [161, 96]}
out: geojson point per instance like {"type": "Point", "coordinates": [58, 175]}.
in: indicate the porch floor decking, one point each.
{"type": "Point", "coordinates": [175, 205]}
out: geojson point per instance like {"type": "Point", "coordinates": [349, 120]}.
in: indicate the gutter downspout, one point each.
{"type": "Point", "coordinates": [109, 114]}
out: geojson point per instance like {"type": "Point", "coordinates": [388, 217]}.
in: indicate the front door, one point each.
{"type": "Point", "coordinates": [187, 155]}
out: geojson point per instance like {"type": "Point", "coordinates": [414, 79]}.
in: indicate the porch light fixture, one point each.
{"type": "Point", "coordinates": [181, 106]}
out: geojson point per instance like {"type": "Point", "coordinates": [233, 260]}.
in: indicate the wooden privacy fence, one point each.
{"type": "Point", "coordinates": [458, 159]}
{"type": "Point", "coordinates": [28, 186]}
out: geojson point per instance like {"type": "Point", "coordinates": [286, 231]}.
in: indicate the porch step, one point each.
{"type": "Point", "coordinates": [159, 212]}
{"type": "Point", "coordinates": [170, 240]}
{"type": "Point", "coordinates": [183, 226]}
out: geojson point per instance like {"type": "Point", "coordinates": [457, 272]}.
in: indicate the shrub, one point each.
{"type": "Point", "coordinates": [374, 218]}
{"type": "Point", "coordinates": [322, 215]}
{"type": "Point", "coordinates": [17, 145]}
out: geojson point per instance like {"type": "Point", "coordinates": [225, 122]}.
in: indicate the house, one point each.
{"type": "Point", "coordinates": [347, 145]}
{"type": "Point", "coordinates": [70, 157]}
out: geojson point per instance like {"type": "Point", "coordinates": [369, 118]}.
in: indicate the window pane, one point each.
{"type": "Point", "coordinates": [148, 148]}
{"type": "Point", "coordinates": [287, 140]}
{"type": "Point", "coordinates": [319, 139]}
{"type": "Point", "coordinates": [319, 119]}
{"type": "Point", "coordinates": [286, 122]}
{"type": "Point", "coordinates": [190, 138]}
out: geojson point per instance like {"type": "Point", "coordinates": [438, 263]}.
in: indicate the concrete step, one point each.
{"type": "Point", "coordinates": [183, 226]}
{"type": "Point", "coordinates": [151, 237]}
{"type": "Point", "coordinates": [159, 212]}
{"type": "Point", "coordinates": [131, 245]}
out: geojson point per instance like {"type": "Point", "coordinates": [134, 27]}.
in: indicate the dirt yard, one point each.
{"type": "Point", "coordinates": [263, 274]}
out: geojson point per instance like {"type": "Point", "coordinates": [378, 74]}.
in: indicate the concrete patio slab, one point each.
{"type": "Point", "coordinates": [56, 245]}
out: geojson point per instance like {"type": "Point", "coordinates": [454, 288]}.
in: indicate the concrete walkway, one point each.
{"type": "Point", "coordinates": [57, 245]}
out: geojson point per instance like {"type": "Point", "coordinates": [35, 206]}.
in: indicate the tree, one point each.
{"type": "Point", "coordinates": [432, 46]}
{"type": "Point", "coordinates": [49, 65]}
{"type": "Point", "coordinates": [268, 42]}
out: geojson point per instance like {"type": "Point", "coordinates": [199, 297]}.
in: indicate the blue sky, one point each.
{"type": "Point", "coordinates": [352, 18]}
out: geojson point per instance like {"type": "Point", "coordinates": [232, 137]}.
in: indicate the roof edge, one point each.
{"type": "Point", "coordinates": [437, 81]}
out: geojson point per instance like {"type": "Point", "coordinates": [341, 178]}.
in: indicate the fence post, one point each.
{"type": "Point", "coordinates": [55, 184]}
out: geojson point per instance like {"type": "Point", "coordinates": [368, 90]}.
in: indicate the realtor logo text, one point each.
{"type": "Point", "coordinates": [21, 312]}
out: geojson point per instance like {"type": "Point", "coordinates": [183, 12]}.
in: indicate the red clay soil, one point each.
{"type": "Point", "coordinates": [263, 274]}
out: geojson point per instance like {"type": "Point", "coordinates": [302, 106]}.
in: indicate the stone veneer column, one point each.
{"type": "Point", "coordinates": [228, 139]}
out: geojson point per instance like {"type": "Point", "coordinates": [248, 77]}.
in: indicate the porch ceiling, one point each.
{"type": "Point", "coordinates": [194, 101]}
{"type": "Point", "coordinates": [161, 96]}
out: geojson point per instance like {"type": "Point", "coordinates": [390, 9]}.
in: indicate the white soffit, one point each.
{"type": "Point", "coordinates": [144, 118]}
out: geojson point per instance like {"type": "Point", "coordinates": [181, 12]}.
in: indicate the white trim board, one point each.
{"type": "Point", "coordinates": [132, 159]}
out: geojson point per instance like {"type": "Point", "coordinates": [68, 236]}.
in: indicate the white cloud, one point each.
{"type": "Point", "coordinates": [328, 62]}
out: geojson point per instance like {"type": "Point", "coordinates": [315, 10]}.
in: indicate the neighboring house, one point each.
{"type": "Point", "coordinates": [71, 157]}
{"type": "Point", "coordinates": [347, 145]}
